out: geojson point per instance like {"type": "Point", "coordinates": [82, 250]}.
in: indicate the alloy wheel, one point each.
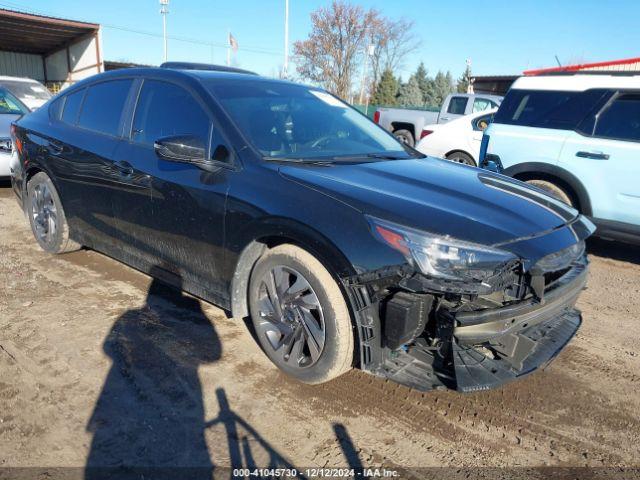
{"type": "Point", "coordinates": [290, 317]}
{"type": "Point", "coordinates": [44, 212]}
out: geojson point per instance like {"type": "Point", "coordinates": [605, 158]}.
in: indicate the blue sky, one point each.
{"type": "Point", "coordinates": [499, 36]}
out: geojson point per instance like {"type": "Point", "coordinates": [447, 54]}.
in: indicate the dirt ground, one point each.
{"type": "Point", "coordinates": [100, 366]}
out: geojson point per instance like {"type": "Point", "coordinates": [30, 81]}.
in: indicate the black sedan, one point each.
{"type": "Point", "coordinates": [278, 201]}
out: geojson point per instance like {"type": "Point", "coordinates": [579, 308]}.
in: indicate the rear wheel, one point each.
{"type": "Point", "coordinates": [461, 157]}
{"type": "Point", "coordinates": [46, 216]}
{"type": "Point", "coordinates": [300, 315]}
{"type": "Point", "coordinates": [553, 190]}
{"type": "Point", "coordinates": [405, 136]}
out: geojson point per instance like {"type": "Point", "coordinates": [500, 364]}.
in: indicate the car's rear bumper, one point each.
{"type": "Point", "coordinates": [5, 165]}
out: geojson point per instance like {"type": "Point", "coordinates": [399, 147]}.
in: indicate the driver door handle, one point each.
{"type": "Point", "coordinates": [124, 168]}
{"type": "Point", "coordinates": [593, 155]}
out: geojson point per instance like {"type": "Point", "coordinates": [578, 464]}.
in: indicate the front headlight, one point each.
{"type": "Point", "coordinates": [442, 256]}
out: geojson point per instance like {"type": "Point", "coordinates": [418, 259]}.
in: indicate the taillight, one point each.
{"type": "Point", "coordinates": [425, 133]}
{"type": "Point", "coordinates": [376, 116]}
{"type": "Point", "coordinates": [16, 141]}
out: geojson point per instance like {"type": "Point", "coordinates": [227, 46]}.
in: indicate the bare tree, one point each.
{"type": "Point", "coordinates": [393, 41]}
{"type": "Point", "coordinates": [332, 53]}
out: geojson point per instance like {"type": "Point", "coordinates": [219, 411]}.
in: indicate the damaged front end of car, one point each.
{"type": "Point", "coordinates": [464, 316]}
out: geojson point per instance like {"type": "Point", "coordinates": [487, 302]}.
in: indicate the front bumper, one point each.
{"type": "Point", "coordinates": [481, 349]}
{"type": "Point", "coordinates": [533, 347]}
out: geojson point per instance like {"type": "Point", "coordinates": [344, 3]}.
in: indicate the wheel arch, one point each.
{"type": "Point", "coordinates": [544, 171]}
{"type": "Point", "coordinates": [404, 126]}
{"type": "Point", "coordinates": [271, 233]}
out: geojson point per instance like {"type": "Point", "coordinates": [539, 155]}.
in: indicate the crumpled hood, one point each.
{"type": "Point", "coordinates": [439, 197]}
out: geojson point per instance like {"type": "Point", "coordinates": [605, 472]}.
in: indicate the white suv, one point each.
{"type": "Point", "coordinates": [578, 137]}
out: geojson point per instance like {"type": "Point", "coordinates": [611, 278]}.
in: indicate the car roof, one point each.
{"type": "Point", "coordinates": [17, 79]}
{"type": "Point", "coordinates": [173, 73]}
{"type": "Point", "coordinates": [576, 83]}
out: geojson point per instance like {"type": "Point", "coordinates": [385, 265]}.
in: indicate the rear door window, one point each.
{"type": "Point", "coordinates": [457, 105]}
{"type": "Point", "coordinates": [164, 110]}
{"type": "Point", "coordinates": [103, 106]}
{"type": "Point", "coordinates": [482, 104]}
{"type": "Point", "coordinates": [72, 105]}
{"type": "Point", "coordinates": [548, 109]}
{"type": "Point", "coordinates": [621, 119]}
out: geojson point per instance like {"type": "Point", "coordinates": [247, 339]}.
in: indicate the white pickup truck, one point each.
{"type": "Point", "coordinates": [407, 124]}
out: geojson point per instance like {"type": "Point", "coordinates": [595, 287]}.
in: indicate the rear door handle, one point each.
{"type": "Point", "coordinates": [593, 155]}
{"type": "Point", "coordinates": [125, 168]}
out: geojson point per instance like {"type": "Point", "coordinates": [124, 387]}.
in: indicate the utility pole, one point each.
{"type": "Point", "coordinates": [285, 67]}
{"type": "Point", "coordinates": [371, 50]}
{"type": "Point", "coordinates": [164, 10]}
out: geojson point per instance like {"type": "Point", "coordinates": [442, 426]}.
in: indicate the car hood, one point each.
{"type": "Point", "coordinates": [439, 197]}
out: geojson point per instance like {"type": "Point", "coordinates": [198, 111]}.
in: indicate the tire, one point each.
{"type": "Point", "coordinates": [46, 216]}
{"type": "Point", "coordinates": [405, 136]}
{"type": "Point", "coordinates": [553, 190]}
{"type": "Point", "coordinates": [313, 345]}
{"type": "Point", "coordinates": [461, 157]}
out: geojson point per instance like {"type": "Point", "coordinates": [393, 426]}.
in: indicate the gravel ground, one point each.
{"type": "Point", "coordinates": [101, 366]}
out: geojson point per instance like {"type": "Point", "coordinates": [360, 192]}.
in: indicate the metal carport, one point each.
{"type": "Point", "coordinates": [54, 51]}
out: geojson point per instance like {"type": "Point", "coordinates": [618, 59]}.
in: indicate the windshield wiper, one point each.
{"type": "Point", "coordinates": [297, 160]}
{"type": "Point", "coordinates": [377, 156]}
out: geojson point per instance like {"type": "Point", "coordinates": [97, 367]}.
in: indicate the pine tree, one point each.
{"type": "Point", "coordinates": [386, 90]}
{"type": "Point", "coordinates": [465, 80]}
{"type": "Point", "coordinates": [442, 86]}
{"type": "Point", "coordinates": [409, 94]}
{"type": "Point", "coordinates": [425, 84]}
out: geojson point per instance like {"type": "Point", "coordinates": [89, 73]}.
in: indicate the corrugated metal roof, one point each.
{"type": "Point", "coordinates": [624, 65]}
{"type": "Point", "coordinates": [28, 33]}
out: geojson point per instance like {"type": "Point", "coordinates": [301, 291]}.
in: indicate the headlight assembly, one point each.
{"type": "Point", "coordinates": [442, 256]}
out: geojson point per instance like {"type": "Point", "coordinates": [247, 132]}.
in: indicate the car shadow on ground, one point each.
{"type": "Point", "coordinates": [149, 420]}
{"type": "Point", "coordinates": [615, 250]}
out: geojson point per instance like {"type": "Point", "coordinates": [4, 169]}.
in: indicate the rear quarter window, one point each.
{"type": "Point", "coordinates": [103, 105]}
{"type": "Point", "coordinates": [548, 108]}
{"type": "Point", "coordinates": [72, 104]}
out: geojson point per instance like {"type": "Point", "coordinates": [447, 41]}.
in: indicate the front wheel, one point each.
{"type": "Point", "coordinates": [300, 315]}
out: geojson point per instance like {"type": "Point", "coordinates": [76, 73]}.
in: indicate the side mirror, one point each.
{"type": "Point", "coordinates": [181, 148]}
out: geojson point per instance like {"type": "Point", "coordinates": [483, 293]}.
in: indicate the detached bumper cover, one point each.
{"type": "Point", "coordinates": [474, 371]}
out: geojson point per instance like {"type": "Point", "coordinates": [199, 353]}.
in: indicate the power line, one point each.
{"type": "Point", "coordinates": [258, 50]}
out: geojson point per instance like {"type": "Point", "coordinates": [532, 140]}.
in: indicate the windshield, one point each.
{"type": "Point", "coordinates": [288, 121]}
{"type": "Point", "coordinates": [10, 104]}
{"type": "Point", "coordinates": [26, 91]}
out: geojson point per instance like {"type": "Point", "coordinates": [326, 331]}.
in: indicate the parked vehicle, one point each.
{"type": "Point", "coordinates": [577, 137]}
{"type": "Point", "coordinates": [30, 92]}
{"type": "Point", "coordinates": [458, 140]}
{"type": "Point", "coordinates": [407, 125]}
{"type": "Point", "coordinates": [10, 110]}
{"type": "Point", "coordinates": [280, 202]}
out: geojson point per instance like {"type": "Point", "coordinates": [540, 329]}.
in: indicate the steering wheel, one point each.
{"type": "Point", "coordinates": [323, 139]}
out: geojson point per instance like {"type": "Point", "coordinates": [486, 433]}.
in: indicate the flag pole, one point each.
{"type": "Point", "coordinates": [285, 68]}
